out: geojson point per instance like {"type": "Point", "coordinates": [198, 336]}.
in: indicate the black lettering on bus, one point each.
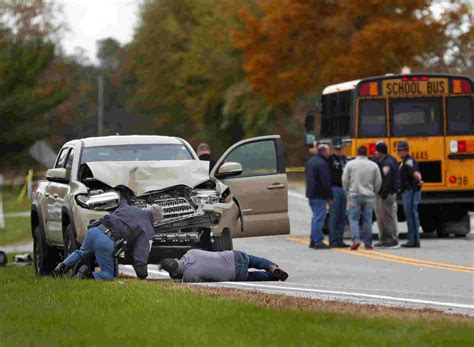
{"type": "Point", "coordinates": [400, 88]}
{"type": "Point", "coordinates": [441, 87]}
{"type": "Point", "coordinates": [389, 89]}
{"type": "Point", "coordinates": [429, 87]}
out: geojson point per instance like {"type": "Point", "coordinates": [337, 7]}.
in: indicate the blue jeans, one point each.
{"type": "Point", "coordinates": [411, 199]}
{"type": "Point", "coordinates": [103, 247]}
{"type": "Point", "coordinates": [361, 206]}
{"type": "Point", "coordinates": [337, 216]}
{"type": "Point", "coordinates": [244, 261]}
{"type": "Point", "coordinates": [317, 222]}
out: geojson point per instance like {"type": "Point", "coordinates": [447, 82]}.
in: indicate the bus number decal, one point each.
{"type": "Point", "coordinates": [423, 155]}
{"type": "Point", "coordinates": [463, 180]}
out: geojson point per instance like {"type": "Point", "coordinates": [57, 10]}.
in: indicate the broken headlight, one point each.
{"type": "Point", "coordinates": [101, 202]}
{"type": "Point", "coordinates": [205, 196]}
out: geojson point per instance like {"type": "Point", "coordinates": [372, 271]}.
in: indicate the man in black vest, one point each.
{"type": "Point", "coordinates": [337, 210]}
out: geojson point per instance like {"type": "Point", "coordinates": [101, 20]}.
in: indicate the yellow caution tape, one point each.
{"type": "Point", "coordinates": [24, 189]}
{"type": "Point", "coordinates": [294, 169]}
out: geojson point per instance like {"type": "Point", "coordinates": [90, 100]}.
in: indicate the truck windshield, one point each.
{"type": "Point", "coordinates": [416, 117]}
{"type": "Point", "coordinates": [136, 152]}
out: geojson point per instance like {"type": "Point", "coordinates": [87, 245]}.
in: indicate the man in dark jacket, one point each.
{"type": "Point", "coordinates": [337, 210]}
{"type": "Point", "coordinates": [386, 199]}
{"type": "Point", "coordinates": [128, 223]}
{"type": "Point", "coordinates": [319, 193]}
{"type": "Point", "coordinates": [204, 153]}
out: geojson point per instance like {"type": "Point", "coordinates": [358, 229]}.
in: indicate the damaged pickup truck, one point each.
{"type": "Point", "coordinates": [245, 194]}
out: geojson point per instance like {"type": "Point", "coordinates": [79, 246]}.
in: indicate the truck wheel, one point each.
{"type": "Point", "coordinates": [223, 242]}
{"type": "Point", "coordinates": [45, 257]}
{"type": "Point", "coordinates": [70, 243]}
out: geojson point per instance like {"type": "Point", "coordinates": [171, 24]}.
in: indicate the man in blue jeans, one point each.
{"type": "Point", "coordinates": [204, 266]}
{"type": "Point", "coordinates": [337, 210]}
{"type": "Point", "coordinates": [410, 185]}
{"type": "Point", "coordinates": [319, 193]}
{"type": "Point", "coordinates": [126, 223]}
{"type": "Point", "coordinates": [362, 181]}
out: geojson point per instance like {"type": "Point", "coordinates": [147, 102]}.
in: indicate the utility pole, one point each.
{"type": "Point", "coordinates": [100, 105]}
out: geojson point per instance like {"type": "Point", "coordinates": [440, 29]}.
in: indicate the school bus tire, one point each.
{"type": "Point", "coordinates": [458, 226]}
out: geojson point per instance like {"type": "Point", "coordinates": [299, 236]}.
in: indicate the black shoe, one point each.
{"type": "Point", "coordinates": [393, 245]}
{"type": "Point", "coordinates": [279, 274]}
{"type": "Point", "coordinates": [311, 244]}
{"type": "Point", "coordinates": [321, 246]}
{"type": "Point", "coordinates": [410, 245]}
{"type": "Point", "coordinates": [340, 245]}
{"type": "Point", "coordinates": [380, 244]}
{"type": "Point", "coordinates": [83, 273]}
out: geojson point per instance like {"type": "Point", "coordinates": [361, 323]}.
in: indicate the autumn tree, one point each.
{"type": "Point", "coordinates": [189, 76]}
{"type": "Point", "coordinates": [27, 92]}
{"type": "Point", "coordinates": [291, 47]}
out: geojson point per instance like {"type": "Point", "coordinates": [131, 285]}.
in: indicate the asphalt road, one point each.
{"type": "Point", "coordinates": [439, 275]}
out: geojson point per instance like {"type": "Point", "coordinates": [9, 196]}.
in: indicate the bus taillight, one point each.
{"type": "Point", "coordinates": [462, 146]}
{"type": "Point", "coordinates": [458, 146]}
{"type": "Point", "coordinates": [461, 86]}
{"type": "Point", "coordinates": [452, 179]}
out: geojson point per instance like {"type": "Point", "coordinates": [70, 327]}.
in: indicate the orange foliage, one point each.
{"type": "Point", "coordinates": [292, 47]}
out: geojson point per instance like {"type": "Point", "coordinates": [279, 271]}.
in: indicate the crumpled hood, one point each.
{"type": "Point", "coordinates": [145, 176]}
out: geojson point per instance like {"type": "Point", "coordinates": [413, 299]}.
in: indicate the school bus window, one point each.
{"type": "Point", "coordinates": [460, 116]}
{"type": "Point", "coordinates": [337, 109]}
{"type": "Point", "coordinates": [416, 117]}
{"type": "Point", "coordinates": [372, 118]}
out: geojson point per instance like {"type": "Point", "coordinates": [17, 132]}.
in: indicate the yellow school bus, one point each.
{"type": "Point", "coordinates": [433, 113]}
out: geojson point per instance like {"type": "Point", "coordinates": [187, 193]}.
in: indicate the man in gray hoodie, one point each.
{"type": "Point", "coordinates": [362, 181]}
{"type": "Point", "coordinates": [204, 266]}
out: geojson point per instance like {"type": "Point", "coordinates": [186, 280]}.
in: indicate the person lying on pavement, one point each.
{"type": "Point", "coordinates": [204, 266]}
{"type": "Point", "coordinates": [127, 225]}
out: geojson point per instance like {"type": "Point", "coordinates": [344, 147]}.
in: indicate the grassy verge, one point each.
{"type": "Point", "coordinates": [40, 311]}
{"type": "Point", "coordinates": [17, 229]}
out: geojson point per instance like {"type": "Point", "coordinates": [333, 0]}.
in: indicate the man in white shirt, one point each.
{"type": "Point", "coordinates": [362, 181]}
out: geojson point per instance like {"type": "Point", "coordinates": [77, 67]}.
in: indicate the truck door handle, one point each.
{"type": "Point", "coordinates": [276, 186]}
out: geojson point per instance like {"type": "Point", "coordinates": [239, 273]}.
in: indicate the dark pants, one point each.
{"type": "Point", "coordinates": [244, 262]}
{"type": "Point", "coordinates": [103, 248]}
{"type": "Point", "coordinates": [337, 216]}
{"type": "Point", "coordinates": [411, 199]}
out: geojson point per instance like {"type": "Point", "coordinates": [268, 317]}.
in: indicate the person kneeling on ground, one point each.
{"type": "Point", "coordinates": [128, 224]}
{"type": "Point", "coordinates": [204, 266]}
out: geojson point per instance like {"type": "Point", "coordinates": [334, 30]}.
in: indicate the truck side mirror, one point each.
{"type": "Point", "coordinates": [229, 169]}
{"type": "Point", "coordinates": [57, 175]}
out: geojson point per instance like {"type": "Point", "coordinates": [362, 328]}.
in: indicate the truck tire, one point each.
{"type": "Point", "coordinates": [45, 257]}
{"type": "Point", "coordinates": [70, 243]}
{"type": "Point", "coordinates": [460, 227]}
{"type": "Point", "coordinates": [223, 242]}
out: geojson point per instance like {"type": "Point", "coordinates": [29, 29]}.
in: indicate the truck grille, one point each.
{"type": "Point", "coordinates": [176, 207]}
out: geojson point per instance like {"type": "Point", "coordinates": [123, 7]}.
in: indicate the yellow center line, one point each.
{"type": "Point", "coordinates": [396, 259]}
{"type": "Point", "coordinates": [393, 256]}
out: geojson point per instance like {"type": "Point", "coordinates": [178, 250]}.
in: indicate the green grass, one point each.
{"type": "Point", "coordinates": [17, 229]}
{"type": "Point", "coordinates": [44, 312]}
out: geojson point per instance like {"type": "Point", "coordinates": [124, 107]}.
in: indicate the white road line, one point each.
{"type": "Point", "coordinates": [361, 295]}
{"type": "Point", "coordinates": [255, 286]}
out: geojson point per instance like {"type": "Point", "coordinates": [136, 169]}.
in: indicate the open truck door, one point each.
{"type": "Point", "coordinates": [261, 189]}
